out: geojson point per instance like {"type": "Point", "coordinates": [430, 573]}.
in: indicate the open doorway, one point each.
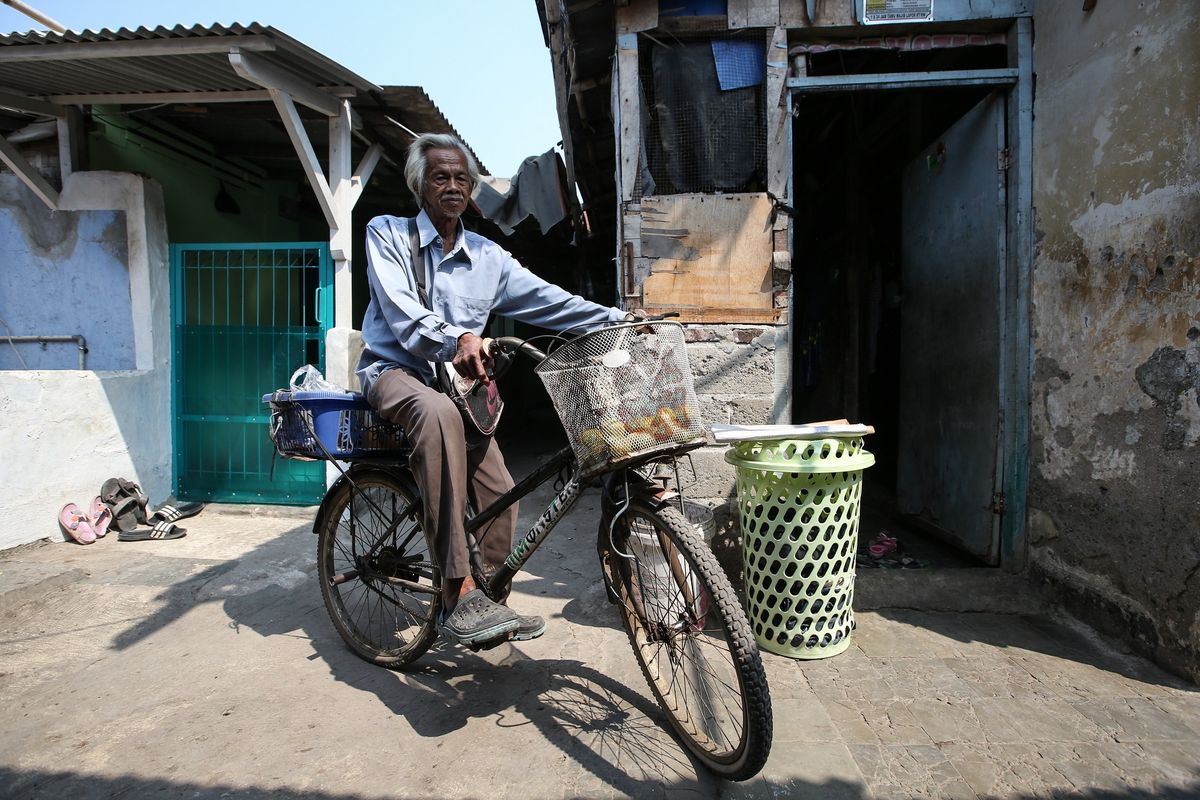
{"type": "Point", "coordinates": [897, 315]}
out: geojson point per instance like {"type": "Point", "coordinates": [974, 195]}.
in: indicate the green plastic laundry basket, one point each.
{"type": "Point", "coordinates": [799, 503]}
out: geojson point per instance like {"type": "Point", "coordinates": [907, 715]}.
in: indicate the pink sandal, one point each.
{"type": "Point", "coordinates": [883, 545]}
{"type": "Point", "coordinates": [75, 525]}
{"type": "Point", "coordinates": [99, 517]}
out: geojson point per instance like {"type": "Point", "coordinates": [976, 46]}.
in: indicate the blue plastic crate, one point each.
{"type": "Point", "coordinates": [324, 425]}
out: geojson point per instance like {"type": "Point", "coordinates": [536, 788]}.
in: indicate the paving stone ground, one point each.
{"type": "Point", "coordinates": [206, 668]}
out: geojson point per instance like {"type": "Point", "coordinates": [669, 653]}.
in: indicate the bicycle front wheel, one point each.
{"type": "Point", "coordinates": [690, 637]}
{"type": "Point", "coordinates": [378, 578]}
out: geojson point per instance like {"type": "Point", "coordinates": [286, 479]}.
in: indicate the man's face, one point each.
{"type": "Point", "coordinates": [447, 184]}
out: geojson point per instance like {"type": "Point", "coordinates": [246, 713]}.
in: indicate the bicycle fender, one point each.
{"type": "Point", "coordinates": [361, 471]}
{"type": "Point", "coordinates": [613, 495]}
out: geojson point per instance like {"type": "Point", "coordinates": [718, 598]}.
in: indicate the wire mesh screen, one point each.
{"type": "Point", "coordinates": [623, 394]}
{"type": "Point", "coordinates": [703, 114]}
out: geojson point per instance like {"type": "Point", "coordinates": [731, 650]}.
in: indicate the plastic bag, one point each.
{"type": "Point", "coordinates": [309, 379]}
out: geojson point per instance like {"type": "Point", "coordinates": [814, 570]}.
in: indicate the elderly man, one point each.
{"type": "Point", "coordinates": [466, 278]}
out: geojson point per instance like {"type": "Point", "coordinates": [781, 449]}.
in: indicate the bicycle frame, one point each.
{"type": "Point", "coordinates": [524, 547]}
{"type": "Point", "coordinates": [559, 506]}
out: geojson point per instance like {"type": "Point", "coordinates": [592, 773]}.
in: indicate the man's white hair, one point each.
{"type": "Point", "coordinates": [417, 165]}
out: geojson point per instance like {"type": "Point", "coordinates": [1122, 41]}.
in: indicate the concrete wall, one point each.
{"type": "Point", "coordinates": [66, 431]}
{"type": "Point", "coordinates": [741, 377]}
{"type": "Point", "coordinates": [1115, 485]}
{"type": "Point", "coordinates": [64, 274]}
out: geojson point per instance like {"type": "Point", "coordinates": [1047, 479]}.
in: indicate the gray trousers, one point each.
{"type": "Point", "coordinates": [450, 467]}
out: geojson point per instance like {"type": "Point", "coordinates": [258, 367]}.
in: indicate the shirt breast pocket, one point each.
{"type": "Point", "coordinates": [467, 312]}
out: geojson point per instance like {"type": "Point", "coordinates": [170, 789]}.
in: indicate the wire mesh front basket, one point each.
{"type": "Point", "coordinates": [624, 394]}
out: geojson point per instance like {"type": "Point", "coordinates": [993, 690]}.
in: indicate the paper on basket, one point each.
{"type": "Point", "coordinates": [744, 433]}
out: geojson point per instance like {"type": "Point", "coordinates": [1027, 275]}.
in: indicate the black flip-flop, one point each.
{"type": "Point", "coordinates": [126, 514]}
{"type": "Point", "coordinates": [126, 501]}
{"type": "Point", "coordinates": [162, 530]}
{"type": "Point", "coordinates": [173, 511]}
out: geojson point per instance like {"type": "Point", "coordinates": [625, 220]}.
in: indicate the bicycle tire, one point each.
{"type": "Point", "coordinates": [363, 548]}
{"type": "Point", "coordinates": [669, 615]}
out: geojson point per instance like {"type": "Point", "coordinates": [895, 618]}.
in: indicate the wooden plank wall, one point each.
{"type": "Point", "coordinates": [709, 256]}
{"type": "Point", "coordinates": [753, 13]}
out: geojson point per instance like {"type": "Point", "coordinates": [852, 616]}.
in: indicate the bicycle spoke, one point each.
{"type": "Point", "coordinates": [683, 620]}
{"type": "Point", "coordinates": [374, 534]}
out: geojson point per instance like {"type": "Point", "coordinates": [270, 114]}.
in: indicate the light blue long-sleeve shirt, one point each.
{"type": "Point", "coordinates": [464, 286]}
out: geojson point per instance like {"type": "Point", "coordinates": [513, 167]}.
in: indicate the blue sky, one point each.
{"type": "Point", "coordinates": [482, 61]}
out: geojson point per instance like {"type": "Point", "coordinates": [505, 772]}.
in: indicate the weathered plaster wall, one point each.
{"type": "Point", "coordinates": [65, 431]}
{"type": "Point", "coordinates": [64, 273]}
{"type": "Point", "coordinates": [1115, 485]}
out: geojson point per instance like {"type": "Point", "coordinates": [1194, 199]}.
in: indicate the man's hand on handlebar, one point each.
{"type": "Point", "coordinates": [640, 315]}
{"type": "Point", "coordinates": [472, 359]}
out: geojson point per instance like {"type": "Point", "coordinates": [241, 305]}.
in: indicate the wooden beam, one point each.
{"type": "Point", "coordinates": [340, 240]}
{"type": "Point", "coordinates": [71, 51]}
{"type": "Point", "coordinates": [308, 158]}
{"type": "Point", "coordinates": [28, 175]}
{"type": "Point", "coordinates": [339, 160]}
{"type": "Point", "coordinates": [364, 170]}
{"type": "Point", "coordinates": [904, 80]}
{"type": "Point", "coordinates": [563, 76]}
{"type": "Point", "coordinates": [778, 120]}
{"type": "Point", "coordinates": [155, 98]}
{"type": "Point", "coordinates": [639, 15]}
{"type": "Point", "coordinates": [66, 164]}
{"type": "Point", "coordinates": [271, 77]}
{"type": "Point", "coordinates": [30, 105]}
{"type": "Point", "coordinates": [629, 121]}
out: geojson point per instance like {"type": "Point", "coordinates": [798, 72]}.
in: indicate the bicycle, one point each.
{"type": "Point", "coordinates": [625, 396]}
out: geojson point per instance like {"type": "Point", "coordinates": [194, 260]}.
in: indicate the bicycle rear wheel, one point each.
{"type": "Point", "coordinates": [690, 637]}
{"type": "Point", "coordinates": [378, 578]}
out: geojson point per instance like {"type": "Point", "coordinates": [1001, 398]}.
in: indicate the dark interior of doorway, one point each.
{"type": "Point", "coordinates": [850, 149]}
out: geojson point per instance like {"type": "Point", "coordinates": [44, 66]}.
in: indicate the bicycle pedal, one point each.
{"type": "Point", "coordinates": [490, 643]}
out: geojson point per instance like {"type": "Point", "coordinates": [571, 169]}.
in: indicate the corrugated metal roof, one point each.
{"type": "Point", "coordinates": [162, 59]}
{"type": "Point", "coordinates": [166, 68]}
{"type": "Point", "coordinates": [125, 34]}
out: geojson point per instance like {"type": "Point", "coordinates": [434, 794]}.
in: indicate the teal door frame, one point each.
{"type": "Point", "coordinates": [244, 316]}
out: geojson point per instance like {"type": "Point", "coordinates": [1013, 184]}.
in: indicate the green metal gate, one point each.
{"type": "Point", "coordinates": [244, 317]}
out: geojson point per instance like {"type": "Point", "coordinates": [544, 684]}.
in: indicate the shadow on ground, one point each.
{"type": "Point", "coordinates": [45, 785]}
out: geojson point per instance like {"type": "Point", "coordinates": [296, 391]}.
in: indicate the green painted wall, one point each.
{"type": "Point", "coordinates": [192, 177]}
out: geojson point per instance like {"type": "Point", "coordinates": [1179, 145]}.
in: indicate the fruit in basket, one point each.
{"type": "Point", "coordinates": [640, 441]}
{"type": "Point", "coordinates": [685, 416]}
{"type": "Point", "coordinates": [613, 429]}
{"type": "Point", "coordinates": [666, 424]}
{"type": "Point", "coordinates": [620, 446]}
{"type": "Point", "coordinates": [642, 425]}
{"type": "Point", "coordinates": [592, 439]}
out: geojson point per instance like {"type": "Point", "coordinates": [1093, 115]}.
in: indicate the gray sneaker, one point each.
{"type": "Point", "coordinates": [529, 628]}
{"type": "Point", "coordinates": [476, 621]}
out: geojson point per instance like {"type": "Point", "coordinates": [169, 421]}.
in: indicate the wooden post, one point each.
{"type": "Point", "coordinates": [628, 121]}
{"type": "Point", "coordinates": [339, 234]}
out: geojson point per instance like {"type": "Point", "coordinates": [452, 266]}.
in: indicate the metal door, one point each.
{"type": "Point", "coordinates": [245, 316]}
{"type": "Point", "coordinates": [953, 262]}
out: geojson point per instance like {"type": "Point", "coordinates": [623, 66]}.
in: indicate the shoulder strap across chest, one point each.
{"type": "Point", "coordinates": [418, 263]}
